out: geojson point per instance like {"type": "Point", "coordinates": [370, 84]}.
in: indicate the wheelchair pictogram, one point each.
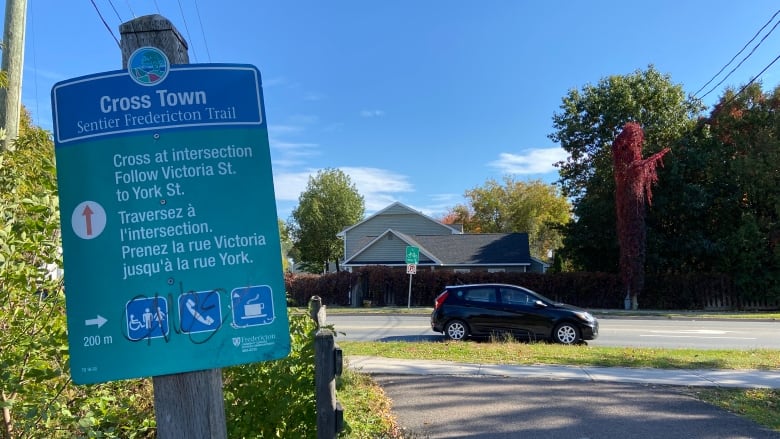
{"type": "Point", "coordinates": [147, 317]}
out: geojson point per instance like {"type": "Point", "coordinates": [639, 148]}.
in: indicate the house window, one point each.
{"type": "Point", "coordinates": [496, 270]}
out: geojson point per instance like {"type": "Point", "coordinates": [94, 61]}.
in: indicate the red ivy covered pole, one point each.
{"type": "Point", "coordinates": [634, 177]}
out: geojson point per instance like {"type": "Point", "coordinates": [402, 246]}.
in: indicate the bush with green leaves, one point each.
{"type": "Point", "coordinates": [275, 398]}
{"type": "Point", "coordinates": [37, 398]}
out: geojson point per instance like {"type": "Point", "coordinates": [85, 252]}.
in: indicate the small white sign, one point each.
{"type": "Point", "coordinates": [411, 268]}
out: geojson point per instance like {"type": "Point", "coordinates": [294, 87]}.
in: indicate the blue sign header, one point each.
{"type": "Point", "coordinates": [191, 95]}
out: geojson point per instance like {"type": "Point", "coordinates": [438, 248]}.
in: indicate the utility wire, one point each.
{"type": "Point", "coordinates": [737, 54]}
{"type": "Point", "coordinates": [743, 60]}
{"type": "Point", "coordinates": [129, 7]}
{"type": "Point", "coordinates": [104, 23]}
{"type": "Point", "coordinates": [202, 31]}
{"type": "Point", "coordinates": [115, 11]}
{"type": "Point", "coordinates": [187, 29]}
{"type": "Point", "coordinates": [726, 104]}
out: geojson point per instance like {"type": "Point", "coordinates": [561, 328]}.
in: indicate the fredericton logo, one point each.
{"type": "Point", "coordinates": [236, 341]}
{"type": "Point", "coordinates": [148, 66]}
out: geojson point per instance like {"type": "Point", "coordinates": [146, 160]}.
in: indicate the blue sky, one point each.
{"type": "Point", "coordinates": [418, 101]}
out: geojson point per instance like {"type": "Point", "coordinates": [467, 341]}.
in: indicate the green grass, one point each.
{"type": "Point", "coordinates": [367, 413]}
{"type": "Point", "coordinates": [545, 353]}
{"type": "Point", "coordinates": [760, 405]}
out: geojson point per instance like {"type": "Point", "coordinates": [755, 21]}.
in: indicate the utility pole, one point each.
{"type": "Point", "coordinates": [12, 64]}
{"type": "Point", "coordinates": [186, 405]}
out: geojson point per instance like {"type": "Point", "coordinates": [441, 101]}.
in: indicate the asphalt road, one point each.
{"type": "Point", "coordinates": [502, 408]}
{"type": "Point", "coordinates": [628, 332]}
{"type": "Point", "coordinates": [489, 407]}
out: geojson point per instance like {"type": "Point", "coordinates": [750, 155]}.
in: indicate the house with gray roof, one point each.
{"type": "Point", "coordinates": [382, 238]}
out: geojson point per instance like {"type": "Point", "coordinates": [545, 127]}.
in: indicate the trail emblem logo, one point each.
{"type": "Point", "coordinates": [148, 66]}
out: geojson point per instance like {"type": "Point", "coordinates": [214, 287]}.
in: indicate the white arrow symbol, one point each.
{"type": "Point", "coordinates": [99, 321]}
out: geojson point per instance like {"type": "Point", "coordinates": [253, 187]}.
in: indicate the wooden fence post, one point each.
{"type": "Point", "coordinates": [328, 362]}
{"type": "Point", "coordinates": [186, 405]}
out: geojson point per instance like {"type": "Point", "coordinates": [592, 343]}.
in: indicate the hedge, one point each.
{"type": "Point", "coordinates": [387, 286]}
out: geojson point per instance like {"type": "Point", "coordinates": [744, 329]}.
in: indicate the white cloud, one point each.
{"type": "Point", "coordinates": [372, 113]}
{"type": "Point", "coordinates": [289, 185]}
{"type": "Point", "coordinates": [278, 130]}
{"type": "Point", "coordinates": [274, 82]}
{"type": "Point", "coordinates": [379, 187]}
{"type": "Point", "coordinates": [532, 161]}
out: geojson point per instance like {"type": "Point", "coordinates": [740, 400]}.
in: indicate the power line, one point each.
{"type": "Point", "coordinates": [129, 7]}
{"type": "Point", "coordinates": [743, 60]}
{"type": "Point", "coordinates": [737, 54]}
{"type": "Point", "coordinates": [115, 11]}
{"type": "Point", "coordinates": [725, 104]}
{"type": "Point", "coordinates": [202, 31]}
{"type": "Point", "coordinates": [104, 22]}
{"type": "Point", "coordinates": [187, 29]}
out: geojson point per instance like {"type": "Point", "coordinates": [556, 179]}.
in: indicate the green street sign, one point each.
{"type": "Point", "coordinates": [412, 255]}
{"type": "Point", "coordinates": [170, 237]}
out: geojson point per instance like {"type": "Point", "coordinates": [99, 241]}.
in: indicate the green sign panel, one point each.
{"type": "Point", "coordinates": [169, 225]}
{"type": "Point", "coordinates": [412, 255]}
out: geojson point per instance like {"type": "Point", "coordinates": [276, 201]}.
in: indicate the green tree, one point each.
{"type": "Point", "coordinates": [286, 244]}
{"type": "Point", "coordinates": [330, 203]}
{"type": "Point", "coordinates": [531, 207]}
{"type": "Point", "coordinates": [739, 145]}
{"type": "Point", "coordinates": [588, 122]}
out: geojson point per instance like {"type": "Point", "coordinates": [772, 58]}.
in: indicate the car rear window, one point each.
{"type": "Point", "coordinates": [482, 295]}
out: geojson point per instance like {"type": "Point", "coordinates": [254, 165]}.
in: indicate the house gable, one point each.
{"type": "Point", "coordinates": [382, 239]}
{"type": "Point", "coordinates": [389, 249]}
{"type": "Point", "coordinates": [397, 217]}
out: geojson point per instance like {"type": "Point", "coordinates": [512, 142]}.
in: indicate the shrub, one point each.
{"type": "Point", "coordinates": [275, 398]}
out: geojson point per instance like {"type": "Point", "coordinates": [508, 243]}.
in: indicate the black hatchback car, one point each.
{"type": "Point", "coordinates": [485, 309]}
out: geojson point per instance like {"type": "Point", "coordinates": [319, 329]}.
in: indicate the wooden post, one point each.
{"type": "Point", "coordinates": [186, 405]}
{"type": "Point", "coordinates": [328, 363]}
{"type": "Point", "coordinates": [153, 31]}
{"type": "Point", "coordinates": [12, 64]}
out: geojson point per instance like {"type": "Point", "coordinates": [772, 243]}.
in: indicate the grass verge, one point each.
{"type": "Point", "coordinates": [760, 405]}
{"type": "Point", "coordinates": [367, 410]}
{"type": "Point", "coordinates": [507, 352]}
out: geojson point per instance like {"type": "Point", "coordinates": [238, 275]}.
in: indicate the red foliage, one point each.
{"type": "Point", "coordinates": [634, 178]}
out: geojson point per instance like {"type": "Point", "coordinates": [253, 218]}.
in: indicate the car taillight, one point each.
{"type": "Point", "coordinates": [440, 300]}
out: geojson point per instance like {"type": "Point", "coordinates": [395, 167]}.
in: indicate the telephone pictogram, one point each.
{"type": "Point", "coordinates": [190, 305]}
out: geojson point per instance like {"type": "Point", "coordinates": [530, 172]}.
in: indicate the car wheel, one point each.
{"type": "Point", "coordinates": [566, 333]}
{"type": "Point", "coordinates": [456, 330]}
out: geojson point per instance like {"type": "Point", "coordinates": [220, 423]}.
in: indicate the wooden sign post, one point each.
{"type": "Point", "coordinates": [187, 405]}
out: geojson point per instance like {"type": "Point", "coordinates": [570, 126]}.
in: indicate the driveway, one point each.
{"type": "Point", "coordinates": [491, 407]}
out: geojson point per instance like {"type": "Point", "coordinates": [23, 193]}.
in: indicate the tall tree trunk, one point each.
{"type": "Point", "coordinates": [634, 178]}
{"type": "Point", "coordinates": [8, 426]}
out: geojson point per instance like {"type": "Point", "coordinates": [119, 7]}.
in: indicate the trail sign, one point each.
{"type": "Point", "coordinates": [169, 226]}
{"type": "Point", "coordinates": [412, 255]}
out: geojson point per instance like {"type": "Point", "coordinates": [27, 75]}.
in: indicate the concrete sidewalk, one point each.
{"type": "Point", "coordinates": [675, 377]}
